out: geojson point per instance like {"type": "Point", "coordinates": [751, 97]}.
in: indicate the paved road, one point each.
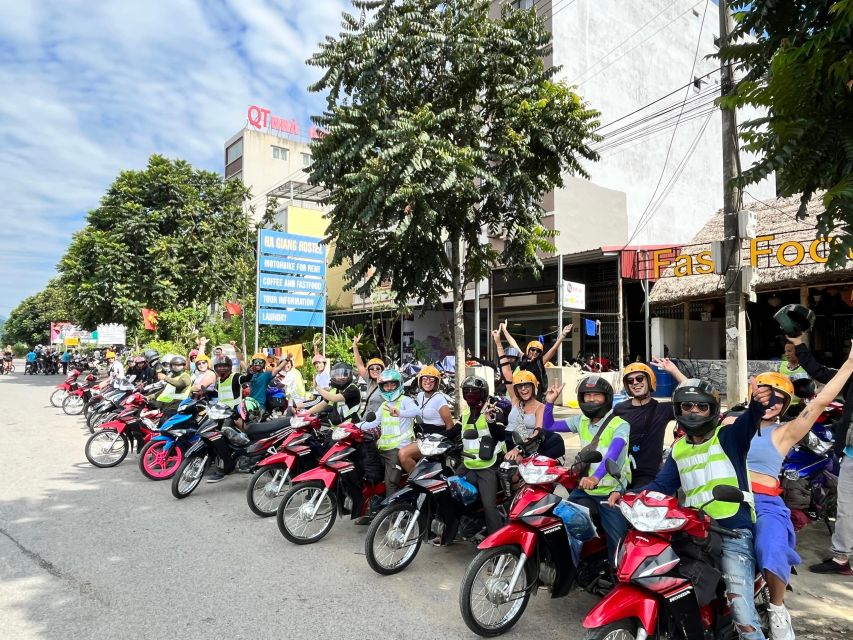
{"type": "Point", "coordinates": [104, 553]}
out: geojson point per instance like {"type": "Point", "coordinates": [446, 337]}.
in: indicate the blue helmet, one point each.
{"type": "Point", "coordinates": [391, 375]}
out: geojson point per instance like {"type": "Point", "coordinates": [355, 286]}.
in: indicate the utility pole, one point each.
{"type": "Point", "coordinates": [736, 371]}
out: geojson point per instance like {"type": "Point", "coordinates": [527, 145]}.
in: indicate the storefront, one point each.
{"type": "Point", "coordinates": [787, 263]}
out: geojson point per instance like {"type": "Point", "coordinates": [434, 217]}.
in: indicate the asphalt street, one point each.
{"type": "Point", "coordinates": [106, 553]}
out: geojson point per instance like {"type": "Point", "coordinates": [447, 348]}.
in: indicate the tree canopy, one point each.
{"type": "Point", "coordinates": [441, 124]}
{"type": "Point", "coordinates": [166, 237]}
{"type": "Point", "coordinates": [798, 60]}
{"type": "Point", "coordinates": [29, 322]}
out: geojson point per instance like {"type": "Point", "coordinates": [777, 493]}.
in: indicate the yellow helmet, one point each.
{"type": "Point", "coordinates": [110, 354]}
{"type": "Point", "coordinates": [203, 358]}
{"type": "Point", "coordinates": [779, 383]}
{"type": "Point", "coordinates": [525, 377]}
{"type": "Point", "coordinates": [534, 344]}
{"type": "Point", "coordinates": [639, 367]}
{"type": "Point", "coordinates": [375, 361]}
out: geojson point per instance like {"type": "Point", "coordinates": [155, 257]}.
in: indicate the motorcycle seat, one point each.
{"type": "Point", "coordinates": [258, 430]}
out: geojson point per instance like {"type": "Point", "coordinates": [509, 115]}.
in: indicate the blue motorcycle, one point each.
{"type": "Point", "coordinates": [810, 477]}
{"type": "Point", "coordinates": [164, 453]}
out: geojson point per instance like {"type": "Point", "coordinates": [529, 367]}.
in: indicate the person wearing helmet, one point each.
{"type": "Point", "coordinates": [227, 383]}
{"type": "Point", "coordinates": [535, 357]}
{"type": "Point", "coordinates": [369, 372]}
{"type": "Point", "coordinates": [139, 371]}
{"type": "Point", "coordinates": [708, 455]}
{"type": "Point", "coordinates": [775, 539]}
{"type": "Point", "coordinates": [842, 538]}
{"type": "Point", "coordinates": [648, 418]}
{"type": "Point", "coordinates": [115, 369]}
{"type": "Point", "coordinates": [433, 413]}
{"type": "Point", "coordinates": [152, 356]}
{"type": "Point", "coordinates": [790, 366]}
{"type": "Point", "coordinates": [193, 354]}
{"type": "Point", "coordinates": [321, 376]}
{"type": "Point", "coordinates": [178, 384]}
{"type": "Point", "coordinates": [292, 381]}
{"type": "Point", "coordinates": [204, 379]}
{"type": "Point", "coordinates": [343, 397]}
{"type": "Point", "coordinates": [395, 420]}
{"type": "Point", "coordinates": [598, 428]}
{"type": "Point", "coordinates": [258, 377]}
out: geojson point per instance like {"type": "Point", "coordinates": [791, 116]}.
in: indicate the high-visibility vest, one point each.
{"type": "Point", "coordinates": [472, 445]}
{"type": "Point", "coordinates": [787, 371]}
{"type": "Point", "coordinates": [226, 391]}
{"type": "Point", "coordinates": [394, 434]}
{"type": "Point", "coordinates": [170, 394]}
{"type": "Point", "coordinates": [344, 411]}
{"type": "Point", "coordinates": [607, 483]}
{"type": "Point", "coordinates": [703, 467]}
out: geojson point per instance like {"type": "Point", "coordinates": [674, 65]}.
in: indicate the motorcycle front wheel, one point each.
{"type": "Point", "coordinates": [100, 419]}
{"type": "Point", "coordinates": [156, 463]}
{"type": "Point", "coordinates": [386, 546]}
{"type": "Point", "coordinates": [304, 518]}
{"type": "Point", "coordinates": [188, 476]}
{"type": "Point", "coordinates": [621, 630]}
{"type": "Point", "coordinates": [107, 448]}
{"type": "Point", "coordinates": [487, 607]}
{"type": "Point", "coordinates": [72, 405]}
{"type": "Point", "coordinates": [57, 397]}
{"type": "Point", "coordinates": [266, 489]}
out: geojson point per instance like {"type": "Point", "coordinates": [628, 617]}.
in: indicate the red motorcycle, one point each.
{"type": "Point", "coordinates": [135, 425]}
{"type": "Point", "coordinates": [652, 599]}
{"type": "Point", "coordinates": [64, 387]}
{"type": "Point", "coordinates": [76, 399]}
{"type": "Point", "coordinates": [274, 474]}
{"type": "Point", "coordinates": [532, 550]}
{"type": "Point", "coordinates": [308, 510]}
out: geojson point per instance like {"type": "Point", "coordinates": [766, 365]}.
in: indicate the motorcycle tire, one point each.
{"type": "Point", "coordinates": [486, 562]}
{"type": "Point", "coordinates": [290, 516]}
{"type": "Point", "coordinates": [261, 486]}
{"type": "Point", "coordinates": [100, 419]}
{"type": "Point", "coordinates": [621, 630]}
{"type": "Point", "coordinates": [72, 405]}
{"type": "Point", "coordinates": [57, 397]}
{"type": "Point", "coordinates": [188, 476]}
{"type": "Point", "coordinates": [156, 464]}
{"type": "Point", "coordinates": [385, 533]}
{"type": "Point", "coordinates": [108, 457]}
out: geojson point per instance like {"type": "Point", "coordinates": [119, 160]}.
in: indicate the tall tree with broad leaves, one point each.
{"type": "Point", "coordinates": [441, 125]}
{"type": "Point", "coordinates": [797, 56]}
{"type": "Point", "coordinates": [29, 322]}
{"type": "Point", "coordinates": [165, 237]}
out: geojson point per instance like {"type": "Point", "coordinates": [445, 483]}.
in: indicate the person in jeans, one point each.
{"type": "Point", "coordinates": [842, 539]}
{"type": "Point", "coordinates": [709, 455]}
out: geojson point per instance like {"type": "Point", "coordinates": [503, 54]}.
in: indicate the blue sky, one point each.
{"type": "Point", "coordinates": [90, 88]}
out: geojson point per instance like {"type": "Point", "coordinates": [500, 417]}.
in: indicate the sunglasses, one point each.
{"type": "Point", "coordinates": [375, 367]}
{"type": "Point", "coordinates": [198, 364]}
{"type": "Point", "coordinates": [689, 406]}
{"type": "Point", "coordinates": [534, 350]}
{"type": "Point", "coordinates": [635, 379]}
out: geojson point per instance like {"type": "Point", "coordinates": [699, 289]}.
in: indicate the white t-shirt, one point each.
{"type": "Point", "coordinates": [322, 380]}
{"type": "Point", "coordinates": [116, 370]}
{"type": "Point", "coordinates": [428, 408]}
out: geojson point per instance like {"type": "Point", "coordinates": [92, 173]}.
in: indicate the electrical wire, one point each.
{"type": "Point", "coordinates": [691, 114]}
{"type": "Point", "coordinates": [555, 13]}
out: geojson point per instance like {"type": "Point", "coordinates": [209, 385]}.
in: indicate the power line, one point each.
{"type": "Point", "coordinates": [555, 13]}
{"type": "Point", "coordinates": [649, 132]}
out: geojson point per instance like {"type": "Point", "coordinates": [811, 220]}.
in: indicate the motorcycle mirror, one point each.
{"type": "Point", "coordinates": [727, 493]}
{"type": "Point", "coordinates": [613, 468]}
{"type": "Point", "coordinates": [590, 456]}
{"type": "Point", "coordinates": [470, 434]}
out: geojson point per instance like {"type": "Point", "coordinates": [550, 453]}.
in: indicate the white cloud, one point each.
{"type": "Point", "coordinates": [93, 88]}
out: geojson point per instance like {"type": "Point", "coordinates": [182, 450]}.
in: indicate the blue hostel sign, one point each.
{"type": "Point", "coordinates": [291, 280]}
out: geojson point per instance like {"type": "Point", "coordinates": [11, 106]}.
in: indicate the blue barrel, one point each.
{"type": "Point", "coordinates": [665, 383]}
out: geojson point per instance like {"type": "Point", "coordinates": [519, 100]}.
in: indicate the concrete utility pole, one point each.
{"type": "Point", "coordinates": [736, 371]}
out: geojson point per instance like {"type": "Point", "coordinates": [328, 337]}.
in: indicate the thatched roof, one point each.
{"type": "Point", "coordinates": [775, 217]}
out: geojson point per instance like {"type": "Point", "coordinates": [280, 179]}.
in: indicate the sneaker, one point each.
{"type": "Point", "coordinates": [780, 623]}
{"type": "Point", "coordinates": [831, 565]}
{"type": "Point", "coordinates": [216, 476]}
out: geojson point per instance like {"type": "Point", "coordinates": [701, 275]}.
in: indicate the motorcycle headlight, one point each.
{"type": "Point", "coordinates": [645, 518]}
{"type": "Point", "coordinates": [815, 444]}
{"type": "Point", "coordinates": [339, 434]}
{"type": "Point", "coordinates": [537, 474]}
{"type": "Point", "coordinates": [297, 422]}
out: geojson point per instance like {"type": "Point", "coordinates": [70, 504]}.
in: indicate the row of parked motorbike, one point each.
{"type": "Point", "coordinates": [308, 473]}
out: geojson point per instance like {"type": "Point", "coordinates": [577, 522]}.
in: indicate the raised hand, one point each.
{"type": "Point", "coordinates": [567, 330]}
{"type": "Point", "coordinates": [664, 363]}
{"type": "Point", "coordinates": [356, 338]}
{"type": "Point", "coordinates": [554, 392]}
{"type": "Point", "coordinates": [762, 394]}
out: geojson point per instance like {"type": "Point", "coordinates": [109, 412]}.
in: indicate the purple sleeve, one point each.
{"type": "Point", "coordinates": [548, 417]}
{"type": "Point", "coordinates": [613, 452]}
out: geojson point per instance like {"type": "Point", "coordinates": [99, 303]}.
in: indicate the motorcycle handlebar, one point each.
{"type": "Point", "coordinates": [723, 531]}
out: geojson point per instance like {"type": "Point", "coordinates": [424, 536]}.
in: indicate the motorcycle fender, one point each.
{"type": "Point", "coordinates": [116, 425]}
{"type": "Point", "coordinates": [406, 494]}
{"type": "Point", "coordinates": [282, 457]}
{"type": "Point", "coordinates": [195, 448]}
{"type": "Point", "coordinates": [513, 533]}
{"type": "Point", "coordinates": [625, 601]}
{"type": "Point", "coordinates": [325, 475]}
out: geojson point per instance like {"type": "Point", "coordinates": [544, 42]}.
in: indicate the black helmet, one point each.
{"type": "Point", "coordinates": [152, 355]}
{"type": "Point", "coordinates": [594, 384]}
{"type": "Point", "coordinates": [795, 319]}
{"type": "Point", "coordinates": [804, 387]}
{"type": "Point", "coordinates": [695, 390]}
{"type": "Point", "coordinates": [220, 361]}
{"type": "Point", "coordinates": [340, 377]}
{"type": "Point", "coordinates": [512, 352]}
{"type": "Point", "coordinates": [475, 391]}
{"type": "Point", "coordinates": [178, 361]}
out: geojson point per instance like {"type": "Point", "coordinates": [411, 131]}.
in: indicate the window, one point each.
{"type": "Point", "coordinates": [280, 153]}
{"type": "Point", "coordinates": [522, 4]}
{"type": "Point", "coordinates": [306, 159]}
{"type": "Point", "coordinates": [234, 151]}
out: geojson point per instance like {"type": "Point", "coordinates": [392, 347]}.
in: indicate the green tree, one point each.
{"type": "Point", "coordinates": [441, 125]}
{"type": "Point", "coordinates": [29, 322]}
{"type": "Point", "coordinates": [798, 60]}
{"type": "Point", "coordinates": [169, 237]}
